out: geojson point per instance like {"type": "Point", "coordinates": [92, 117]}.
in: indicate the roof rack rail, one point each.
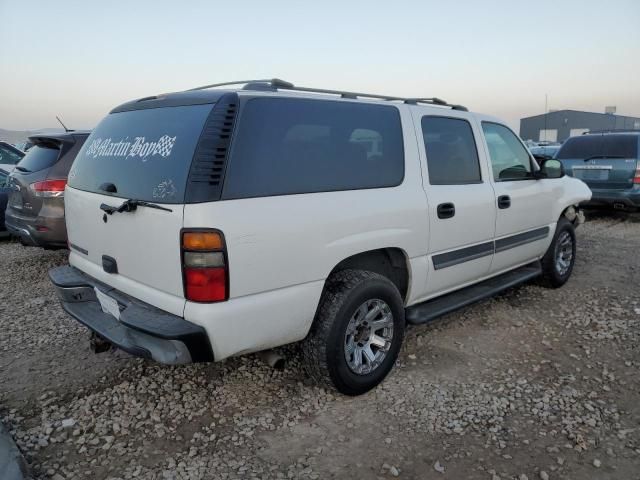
{"type": "Point", "coordinates": [278, 84]}
{"type": "Point", "coordinates": [613, 130]}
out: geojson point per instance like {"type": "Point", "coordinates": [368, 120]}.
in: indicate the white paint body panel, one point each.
{"type": "Point", "coordinates": [282, 248]}
{"type": "Point", "coordinates": [145, 243]}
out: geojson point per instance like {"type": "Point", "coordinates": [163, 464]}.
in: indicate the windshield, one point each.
{"type": "Point", "coordinates": [143, 154]}
{"type": "Point", "coordinates": [600, 146]}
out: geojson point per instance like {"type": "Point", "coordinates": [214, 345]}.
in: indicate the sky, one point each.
{"type": "Point", "coordinates": [79, 59]}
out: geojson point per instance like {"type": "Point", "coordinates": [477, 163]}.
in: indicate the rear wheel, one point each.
{"type": "Point", "coordinates": [357, 333]}
{"type": "Point", "coordinates": [557, 263]}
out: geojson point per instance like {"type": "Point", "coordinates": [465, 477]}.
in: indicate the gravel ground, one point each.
{"type": "Point", "coordinates": [535, 384]}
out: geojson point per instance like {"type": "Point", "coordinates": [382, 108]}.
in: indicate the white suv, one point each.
{"type": "Point", "coordinates": [216, 222]}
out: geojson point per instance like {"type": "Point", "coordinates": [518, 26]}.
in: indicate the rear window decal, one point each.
{"type": "Point", "coordinates": [139, 147]}
{"type": "Point", "coordinates": [165, 189]}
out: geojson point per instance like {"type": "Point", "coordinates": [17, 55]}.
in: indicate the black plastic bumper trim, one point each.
{"type": "Point", "coordinates": [141, 326]}
{"type": "Point", "coordinates": [521, 239]}
{"type": "Point", "coordinates": [462, 255]}
{"type": "Point", "coordinates": [466, 254]}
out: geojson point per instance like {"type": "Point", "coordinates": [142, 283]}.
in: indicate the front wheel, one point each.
{"type": "Point", "coordinates": [357, 333]}
{"type": "Point", "coordinates": [557, 263]}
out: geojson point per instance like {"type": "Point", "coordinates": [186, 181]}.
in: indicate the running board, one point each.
{"type": "Point", "coordinates": [432, 309]}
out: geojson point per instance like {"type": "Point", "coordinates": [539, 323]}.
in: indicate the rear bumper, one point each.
{"type": "Point", "coordinates": [610, 198]}
{"type": "Point", "coordinates": [142, 330]}
{"type": "Point", "coordinates": [37, 231]}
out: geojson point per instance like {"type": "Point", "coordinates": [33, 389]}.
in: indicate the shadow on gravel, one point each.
{"type": "Point", "coordinates": [607, 214]}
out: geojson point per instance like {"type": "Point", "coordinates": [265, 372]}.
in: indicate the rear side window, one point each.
{"type": "Point", "coordinates": [452, 156]}
{"type": "Point", "coordinates": [600, 146]}
{"type": "Point", "coordinates": [285, 146]}
{"type": "Point", "coordinates": [145, 154]}
{"type": "Point", "coordinates": [39, 157]}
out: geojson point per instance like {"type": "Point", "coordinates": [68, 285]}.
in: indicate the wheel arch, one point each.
{"type": "Point", "coordinates": [390, 262]}
{"type": "Point", "coordinates": [571, 213]}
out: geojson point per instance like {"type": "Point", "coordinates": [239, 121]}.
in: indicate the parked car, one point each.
{"type": "Point", "coordinates": [9, 156]}
{"type": "Point", "coordinates": [544, 152]}
{"type": "Point", "coordinates": [35, 211]}
{"type": "Point", "coordinates": [24, 146]}
{"type": "Point", "coordinates": [4, 195]}
{"type": "Point", "coordinates": [609, 164]}
{"type": "Point", "coordinates": [211, 223]}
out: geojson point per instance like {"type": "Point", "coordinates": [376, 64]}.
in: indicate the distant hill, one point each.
{"type": "Point", "coordinates": [18, 136]}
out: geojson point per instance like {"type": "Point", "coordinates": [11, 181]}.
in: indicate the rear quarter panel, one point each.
{"type": "Point", "coordinates": [282, 248]}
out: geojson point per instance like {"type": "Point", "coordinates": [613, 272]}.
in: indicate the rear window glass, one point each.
{"type": "Point", "coordinates": [146, 154]}
{"type": "Point", "coordinates": [604, 146]}
{"type": "Point", "coordinates": [287, 146]}
{"type": "Point", "coordinates": [39, 157]}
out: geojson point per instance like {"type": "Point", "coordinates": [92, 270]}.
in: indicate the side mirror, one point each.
{"type": "Point", "coordinates": [552, 169]}
{"type": "Point", "coordinates": [540, 158]}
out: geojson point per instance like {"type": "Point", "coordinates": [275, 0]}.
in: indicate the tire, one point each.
{"type": "Point", "coordinates": [555, 273]}
{"type": "Point", "coordinates": [354, 297]}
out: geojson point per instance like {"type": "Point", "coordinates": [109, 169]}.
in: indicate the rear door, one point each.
{"type": "Point", "coordinates": [143, 155]}
{"type": "Point", "coordinates": [462, 210]}
{"type": "Point", "coordinates": [602, 161]}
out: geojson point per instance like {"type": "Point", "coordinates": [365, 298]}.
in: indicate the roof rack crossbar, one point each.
{"type": "Point", "coordinates": [276, 83]}
{"type": "Point", "coordinates": [613, 130]}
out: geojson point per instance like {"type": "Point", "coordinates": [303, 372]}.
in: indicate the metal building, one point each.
{"type": "Point", "coordinates": [557, 126]}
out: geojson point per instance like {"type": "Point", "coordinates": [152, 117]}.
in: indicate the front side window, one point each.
{"type": "Point", "coordinates": [510, 160]}
{"type": "Point", "coordinates": [285, 146]}
{"type": "Point", "coordinates": [452, 157]}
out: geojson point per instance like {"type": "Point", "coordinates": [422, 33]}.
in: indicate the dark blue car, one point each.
{"type": "Point", "coordinates": [608, 163]}
{"type": "Point", "coordinates": [4, 195]}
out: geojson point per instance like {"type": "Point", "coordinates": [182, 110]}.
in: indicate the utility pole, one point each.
{"type": "Point", "coordinates": [546, 114]}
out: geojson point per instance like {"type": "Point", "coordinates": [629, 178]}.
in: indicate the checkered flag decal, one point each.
{"type": "Point", "coordinates": [164, 146]}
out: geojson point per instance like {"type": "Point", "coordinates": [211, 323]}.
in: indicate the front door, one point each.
{"type": "Point", "coordinates": [462, 207]}
{"type": "Point", "coordinates": [524, 204]}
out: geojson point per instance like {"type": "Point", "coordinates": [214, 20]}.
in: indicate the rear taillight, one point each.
{"type": "Point", "coordinates": [636, 176]}
{"type": "Point", "coordinates": [204, 266]}
{"type": "Point", "coordinates": [49, 188]}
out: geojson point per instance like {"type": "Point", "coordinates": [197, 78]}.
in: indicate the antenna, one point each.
{"type": "Point", "coordinates": [63, 125]}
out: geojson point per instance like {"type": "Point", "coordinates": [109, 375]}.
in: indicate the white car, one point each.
{"type": "Point", "coordinates": [217, 222]}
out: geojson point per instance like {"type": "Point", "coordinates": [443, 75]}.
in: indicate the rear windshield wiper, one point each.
{"type": "Point", "coordinates": [592, 157]}
{"type": "Point", "coordinates": [130, 206]}
{"type": "Point", "coordinates": [22, 169]}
